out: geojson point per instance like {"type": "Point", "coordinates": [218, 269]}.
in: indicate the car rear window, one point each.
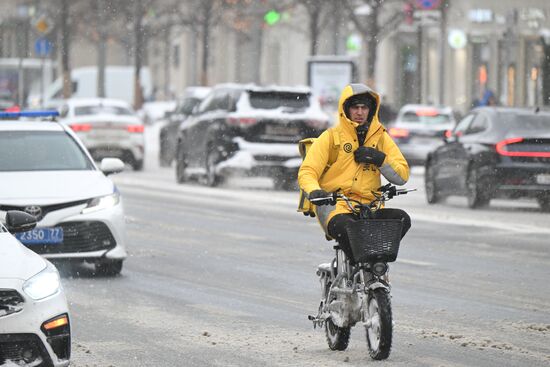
{"type": "Point", "coordinates": [274, 100]}
{"type": "Point", "coordinates": [524, 121]}
{"type": "Point", "coordinates": [40, 151]}
{"type": "Point", "coordinates": [426, 117]}
{"type": "Point", "coordinates": [96, 110]}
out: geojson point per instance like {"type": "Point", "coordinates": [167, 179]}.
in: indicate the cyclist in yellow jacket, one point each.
{"type": "Point", "coordinates": [366, 152]}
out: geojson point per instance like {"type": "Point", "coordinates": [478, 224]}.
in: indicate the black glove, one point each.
{"type": "Point", "coordinates": [321, 197]}
{"type": "Point", "coordinates": [369, 155]}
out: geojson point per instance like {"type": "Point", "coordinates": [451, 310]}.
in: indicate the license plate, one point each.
{"type": "Point", "coordinates": [543, 179]}
{"type": "Point", "coordinates": [42, 236]}
{"type": "Point", "coordinates": [281, 130]}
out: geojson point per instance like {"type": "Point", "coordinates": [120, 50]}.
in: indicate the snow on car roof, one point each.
{"type": "Point", "coordinates": [197, 92]}
{"type": "Point", "coordinates": [265, 88]}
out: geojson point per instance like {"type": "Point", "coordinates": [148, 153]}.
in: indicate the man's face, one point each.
{"type": "Point", "coordinates": [359, 113]}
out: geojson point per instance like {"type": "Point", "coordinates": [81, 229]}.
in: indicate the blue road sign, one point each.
{"type": "Point", "coordinates": [42, 47]}
{"type": "Point", "coordinates": [428, 4]}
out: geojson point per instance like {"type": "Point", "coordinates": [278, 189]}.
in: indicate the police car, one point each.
{"type": "Point", "coordinates": [35, 327]}
{"type": "Point", "coordinates": [46, 171]}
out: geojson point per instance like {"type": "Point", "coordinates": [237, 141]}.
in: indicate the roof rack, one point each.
{"type": "Point", "coordinates": [45, 113]}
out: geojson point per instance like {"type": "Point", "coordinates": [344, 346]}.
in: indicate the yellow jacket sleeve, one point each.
{"type": "Point", "coordinates": [314, 163]}
{"type": "Point", "coordinates": [395, 167]}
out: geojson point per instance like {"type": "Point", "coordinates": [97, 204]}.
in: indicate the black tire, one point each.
{"type": "Point", "coordinates": [432, 193]}
{"type": "Point", "coordinates": [137, 165]}
{"type": "Point", "coordinates": [544, 202]}
{"type": "Point", "coordinates": [379, 333]}
{"type": "Point", "coordinates": [337, 337]}
{"type": "Point", "coordinates": [212, 178]}
{"type": "Point", "coordinates": [476, 195]}
{"type": "Point", "coordinates": [180, 167]}
{"type": "Point", "coordinates": [110, 268]}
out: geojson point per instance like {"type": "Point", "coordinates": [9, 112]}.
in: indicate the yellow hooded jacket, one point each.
{"type": "Point", "coordinates": [355, 180]}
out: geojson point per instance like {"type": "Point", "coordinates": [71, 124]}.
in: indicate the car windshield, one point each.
{"type": "Point", "coordinates": [525, 122]}
{"type": "Point", "coordinates": [187, 105]}
{"type": "Point", "coordinates": [101, 109]}
{"type": "Point", "coordinates": [274, 100]}
{"type": "Point", "coordinates": [40, 151]}
{"type": "Point", "coordinates": [428, 117]}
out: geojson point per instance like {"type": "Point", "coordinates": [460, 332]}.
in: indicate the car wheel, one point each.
{"type": "Point", "coordinates": [109, 268]}
{"type": "Point", "coordinates": [544, 202]}
{"type": "Point", "coordinates": [180, 167]}
{"type": "Point", "coordinates": [432, 193]}
{"type": "Point", "coordinates": [137, 165]}
{"type": "Point", "coordinates": [212, 178]}
{"type": "Point", "coordinates": [477, 196]}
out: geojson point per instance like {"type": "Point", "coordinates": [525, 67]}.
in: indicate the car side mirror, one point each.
{"type": "Point", "coordinates": [111, 165]}
{"type": "Point", "coordinates": [18, 221]}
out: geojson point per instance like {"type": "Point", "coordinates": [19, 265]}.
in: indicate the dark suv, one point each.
{"type": "Point", "coordinates": [248, 130]}
{"type": "Point", "coordinates": [169, 131]}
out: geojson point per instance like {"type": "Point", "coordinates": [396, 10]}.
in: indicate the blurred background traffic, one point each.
{"type": "Point", "coordinates": [454, 53]}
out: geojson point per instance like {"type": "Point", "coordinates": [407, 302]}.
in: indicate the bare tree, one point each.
{"type": "Point", "coordinates": [65, 48]}
{"type": "Point", "coordinates": [371, 28]}
{"type": "Point", "coordinates": [318, 13]}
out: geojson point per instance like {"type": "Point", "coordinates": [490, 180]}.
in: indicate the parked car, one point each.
{"type": "Point", "coordinates": [107, 127]}
{"type": "Point", "coordinates": [168, 135]}
{"type": "Point", "coordinates": [247, 129]}
{"type": "Point", "coordinates": [151, 112]}
{"type": "Point", "coordinates": [418, 129]}
{"type": "Point", "coordinates": [46, 171]}
{"type": "Point", "coordinates": [35, 325]}
{"type": "Point", "coordinates": [493, 152]}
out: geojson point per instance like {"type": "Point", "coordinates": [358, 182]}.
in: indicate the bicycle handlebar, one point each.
{"type": "Point", "coordinates": [387, 192]}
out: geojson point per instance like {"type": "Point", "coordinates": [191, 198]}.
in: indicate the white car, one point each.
{"type": "Point", "coordinates": [107, 127]}
{"type": "Point", "coordinates": [35, 327]}
{"type": "Point", "coordinates": [46, 171]}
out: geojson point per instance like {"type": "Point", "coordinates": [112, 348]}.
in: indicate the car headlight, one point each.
{"type": "Point", "coordinates": [43, 284]}
{"type": "Point", "coordinates": [102, 202]}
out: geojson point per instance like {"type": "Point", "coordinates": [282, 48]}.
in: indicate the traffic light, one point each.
{"type": "Point", "coordinates": [272, 17]}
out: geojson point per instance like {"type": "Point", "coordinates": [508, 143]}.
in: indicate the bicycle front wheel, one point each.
{"type": "Point", "coordinates": [379, 328]}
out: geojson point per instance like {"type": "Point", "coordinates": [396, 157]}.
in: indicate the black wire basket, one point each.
{"type": "Point", "coordinates": [374, 240]}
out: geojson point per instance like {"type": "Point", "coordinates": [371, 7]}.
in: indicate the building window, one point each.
{"type": "Point", "coordinates": [176, 56]}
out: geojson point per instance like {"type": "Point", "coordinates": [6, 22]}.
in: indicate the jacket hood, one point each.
{"type": "Point", "coordinates": [353, 90]}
